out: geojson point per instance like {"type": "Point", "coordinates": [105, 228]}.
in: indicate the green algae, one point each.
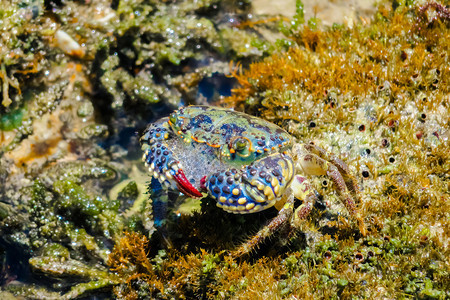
{"type": "Point", "coordinates": [73, 196]}
{"type": "Point", "coordinates": [138, 88]}
{"type": "Point", "coordinates": [17, 40]}
{"type": "Point", "coordinates": [12, 120]}
{"type": "Point", "coordinates": [153, 35]}
{"type": "Point", "coordinates": [55, 262]}
{"type": "Point", "coordinates": [66, 226]}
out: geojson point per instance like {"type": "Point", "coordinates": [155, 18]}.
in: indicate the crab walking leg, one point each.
{"type": "Point", "coordinates": [349, 203]}
{"type": "Point", "coordinates": [303, 191]}
{"type": "Point", "coordinates": [284, 215]}
{"type": "Point", "coordinates": [312, 164]}
{"type": "Point", "coordinates": [350, 181]}
{"type": "Point", "coordinates": [160, 198]}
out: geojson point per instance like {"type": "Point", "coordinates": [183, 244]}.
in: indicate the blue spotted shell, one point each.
{"type": "Point", "coordinates": [223, 129]}
{"type": "Point", "coordinates": [238, 159]}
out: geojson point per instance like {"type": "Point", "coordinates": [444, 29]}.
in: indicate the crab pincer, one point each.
{"type": "Point", "coordinates": [160, 162]}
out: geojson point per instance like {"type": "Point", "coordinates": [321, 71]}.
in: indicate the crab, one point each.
{"type": "Point", "coordinates": [245, 163]}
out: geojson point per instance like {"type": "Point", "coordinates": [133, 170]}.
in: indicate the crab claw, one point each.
{"type": "Point", "coordinates": [185, 186]}
{"type": "Point", "coordinates": [159, 159]}
{"type": "Point", "coordinates": [167, 170]}
{"type": "Point", "coordinates": [255, 187]}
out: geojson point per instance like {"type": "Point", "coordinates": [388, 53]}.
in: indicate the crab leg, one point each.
{"type": "Point", "coordinates": [314, 164]}
{"type": "Point", "coordinates": [299, 189]}
{"type": "Point", "coordinates": [342, 167]}
{"type": "Point", "coordinates": [281, 219]}
{"type": "Point", "coordinates": [303, 191]}
{"type": "Point", "coordinates": [160, 199]}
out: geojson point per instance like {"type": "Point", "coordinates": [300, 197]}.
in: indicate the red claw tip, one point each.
{"type": "Point", "coordinates": [203, 183]}
{"type": "Point", "coordinates": [185, 186]}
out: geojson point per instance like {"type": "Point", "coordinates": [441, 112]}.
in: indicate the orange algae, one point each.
{"type": "Point", "coordinates": [177, 275]}
{"type": "Point", "coordinates": [201, 275]}
{"type": "Point", "coordinates": [129, 259]}
{"type": "Point", "coordinates": [398, 46]}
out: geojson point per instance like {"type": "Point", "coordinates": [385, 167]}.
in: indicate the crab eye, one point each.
{"type": "Point", "coordinates": [240, 144]}
{"type": "Point", "coordinates": [173, 118]}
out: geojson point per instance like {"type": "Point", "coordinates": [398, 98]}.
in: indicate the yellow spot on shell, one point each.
{"type": "Point", "coordinates": [242, 201]}
{"type": "Point", "coordinates": [274, 182]}
{"type": "Point", "coordinates": [260, 186]}
{"type": "Point", "coordinates": [257, 208]}
{"type": "Point", "coordinates": [235, 191]}
{"type": "Point", "coordinates": [276, 189]}
{"type": "Point", "coordinates": [223, 199]}
{"type": "Point", "coordinates": [269, 193]}
{"type": "Point", "coordinates": [249, 206]}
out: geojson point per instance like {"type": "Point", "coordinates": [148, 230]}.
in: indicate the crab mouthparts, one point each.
{"type": "Point", "coordinates": [185, 186]}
